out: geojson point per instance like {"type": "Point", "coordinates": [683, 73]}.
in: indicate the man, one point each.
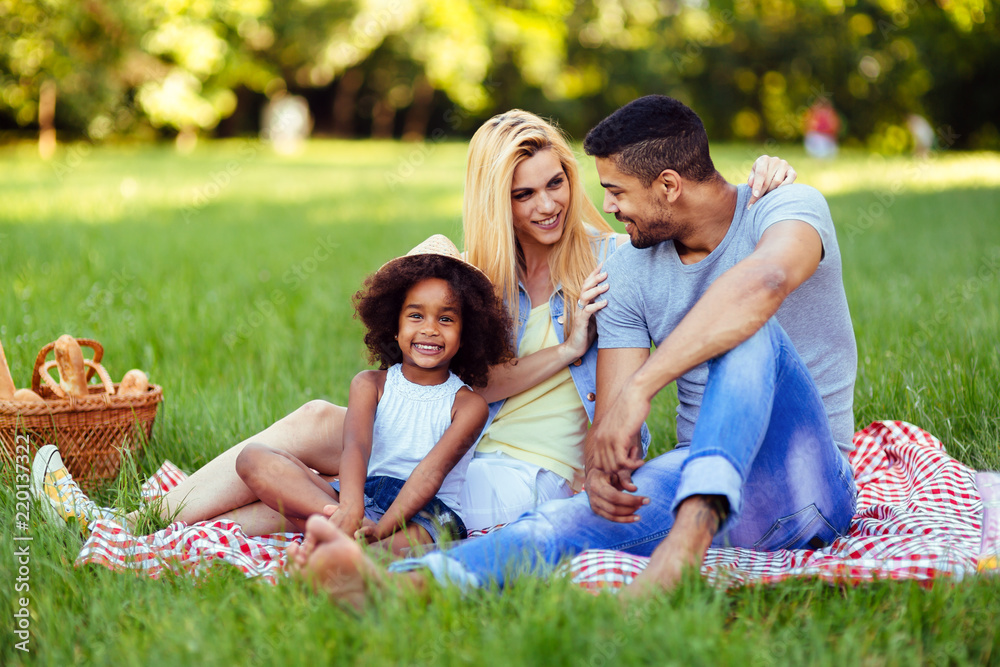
{"type": "Point", "coordinates": [751, 320]}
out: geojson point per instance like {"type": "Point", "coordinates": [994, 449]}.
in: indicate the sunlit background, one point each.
{"type": "Point", "coordinates": [185, 70]}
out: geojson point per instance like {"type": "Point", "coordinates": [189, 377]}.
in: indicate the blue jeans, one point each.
{"type": "Point", "coordinates": [440, 521]}
{"type": "Point", "coordinates": [762, 440]}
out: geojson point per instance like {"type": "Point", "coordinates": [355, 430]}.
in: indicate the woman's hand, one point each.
{"type": "Point", "coordinates": [584, 325]}
{"type": "Point", "coordinates": [767, 174]}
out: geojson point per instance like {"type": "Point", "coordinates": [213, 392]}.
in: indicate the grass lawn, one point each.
{"type": "Point", "coordinates": [227, 276]}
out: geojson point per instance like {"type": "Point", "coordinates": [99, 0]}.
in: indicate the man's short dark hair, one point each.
{"type": "Point", "coordinates": [651, 134]}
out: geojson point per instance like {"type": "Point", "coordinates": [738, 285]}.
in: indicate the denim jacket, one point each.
{"type": "Point", "coordinates": [584, 369]}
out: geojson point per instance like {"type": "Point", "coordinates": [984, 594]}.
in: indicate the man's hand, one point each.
{"type": "Point", "coordinates": [613, 448]}
{"type": "Point", "coordinates": [613, 443]}
{"type": "Point", "coordinates": [613, 451]}
{"type": "Point", "coordinates": [607, 498]}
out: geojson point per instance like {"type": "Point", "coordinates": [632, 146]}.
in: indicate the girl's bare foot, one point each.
{"type": "Point", "coordinates": [333, 562]}
{"type": "Point", "coordinates": [298, 554]}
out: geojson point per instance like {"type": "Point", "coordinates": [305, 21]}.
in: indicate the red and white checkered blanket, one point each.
{"type": "Point", "coordinates": [919, 517]}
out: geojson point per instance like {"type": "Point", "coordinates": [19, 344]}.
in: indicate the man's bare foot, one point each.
{"type": "Point", "coordinates": [684, 547]}
{"type": "Point", "coordinates": [332, 561]}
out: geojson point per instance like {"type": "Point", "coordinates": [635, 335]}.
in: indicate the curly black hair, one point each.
{"type": "Point", "coordinates": [486, 324]}
{"type": "Point", "coordinates": [651, 134]}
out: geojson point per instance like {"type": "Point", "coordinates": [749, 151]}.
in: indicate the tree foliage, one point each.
{"type": "Point", "coordinates": [394, 67]}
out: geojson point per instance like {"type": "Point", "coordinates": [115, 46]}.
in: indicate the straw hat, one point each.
{"type": "Point", "coordinates": [438, 244]}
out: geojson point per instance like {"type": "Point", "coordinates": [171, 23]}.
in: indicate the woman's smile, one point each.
{"type": "Point", "coordinates": [548, 223]}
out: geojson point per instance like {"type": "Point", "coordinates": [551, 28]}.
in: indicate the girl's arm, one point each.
{"type": "Point", "coordinates": [358, 425]}
{"type": "Point", "coordinates": [467, 419]}
{"type": "Point", "coordinates": [524, 373]}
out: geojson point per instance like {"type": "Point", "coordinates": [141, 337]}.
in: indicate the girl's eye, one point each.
{"type": "Point", "coordinates": [556, 183]}
{"type": "Point", "coordinates": [522, 196]}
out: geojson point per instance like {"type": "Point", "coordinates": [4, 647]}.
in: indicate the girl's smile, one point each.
{"type": "Point", "coordinates": [430, 331]}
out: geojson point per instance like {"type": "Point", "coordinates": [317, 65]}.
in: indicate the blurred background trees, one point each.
{"type": "Point", "coordinates": [105, 69]}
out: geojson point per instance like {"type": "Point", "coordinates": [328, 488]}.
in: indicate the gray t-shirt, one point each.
{"type": "Point", "coordinates": [651, 291]}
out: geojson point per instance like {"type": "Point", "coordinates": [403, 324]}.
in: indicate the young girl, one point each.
{"type": "Point", "coordinates": [434, 326]}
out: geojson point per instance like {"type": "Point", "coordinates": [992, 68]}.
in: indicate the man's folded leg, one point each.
{"type": "Point", "coordinates": [763, 441]}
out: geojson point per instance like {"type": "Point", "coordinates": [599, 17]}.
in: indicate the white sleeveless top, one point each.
{"type": "Point", "coordinates": [409, 421]}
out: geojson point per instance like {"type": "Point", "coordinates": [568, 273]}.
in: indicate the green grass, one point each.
{"type": "Point", "coordinates": [227, 276]}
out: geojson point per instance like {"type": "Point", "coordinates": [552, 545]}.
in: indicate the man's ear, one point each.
{"type": "Point", "coordinates": [669, 184]}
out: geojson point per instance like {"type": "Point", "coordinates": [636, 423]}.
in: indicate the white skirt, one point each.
{"type": "Point", "coordinates": [499, 488]}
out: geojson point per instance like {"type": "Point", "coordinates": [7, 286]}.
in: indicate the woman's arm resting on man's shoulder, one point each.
{"type": "Point", "coordinates": [768, 173]}
{"type": "Point", "coordinates": [468, 418]}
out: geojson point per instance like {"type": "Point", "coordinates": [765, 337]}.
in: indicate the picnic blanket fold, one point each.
{"type": "Point", "coordinates": [919, 516]}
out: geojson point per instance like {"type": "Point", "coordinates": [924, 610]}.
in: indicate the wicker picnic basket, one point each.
{"type": "Point", "coordinates": [90, 432]}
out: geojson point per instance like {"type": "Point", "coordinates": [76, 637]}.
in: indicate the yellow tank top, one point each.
{"type": "Point", "coordinates": [546, 424]}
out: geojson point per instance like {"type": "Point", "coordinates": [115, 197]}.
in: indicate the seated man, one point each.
{"type": "Point", "coordinates": [751, 319]}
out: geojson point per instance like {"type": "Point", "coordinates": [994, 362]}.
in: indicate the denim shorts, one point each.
{"type": "Point", "coordinates": [439, 520]}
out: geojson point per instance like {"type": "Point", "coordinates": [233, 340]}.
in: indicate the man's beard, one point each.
{"type": "Point", "coordinates": [638, 238]}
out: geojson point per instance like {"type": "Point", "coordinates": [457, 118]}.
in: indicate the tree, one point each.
{"type": "Point", "coordinates": [397, 67]}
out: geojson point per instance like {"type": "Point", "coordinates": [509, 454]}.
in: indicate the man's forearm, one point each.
{"type": "Point", "coordinates": [730, 311]}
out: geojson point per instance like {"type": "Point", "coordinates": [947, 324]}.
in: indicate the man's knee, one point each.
{"type": "Point", "coordinates": [749, 366]}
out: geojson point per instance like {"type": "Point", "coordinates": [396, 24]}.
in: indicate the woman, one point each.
{"type": "Point", "coordinates": [530, 227]}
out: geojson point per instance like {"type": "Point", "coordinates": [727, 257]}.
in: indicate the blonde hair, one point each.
{"type": "Point", "coordinates": [502, 143]}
